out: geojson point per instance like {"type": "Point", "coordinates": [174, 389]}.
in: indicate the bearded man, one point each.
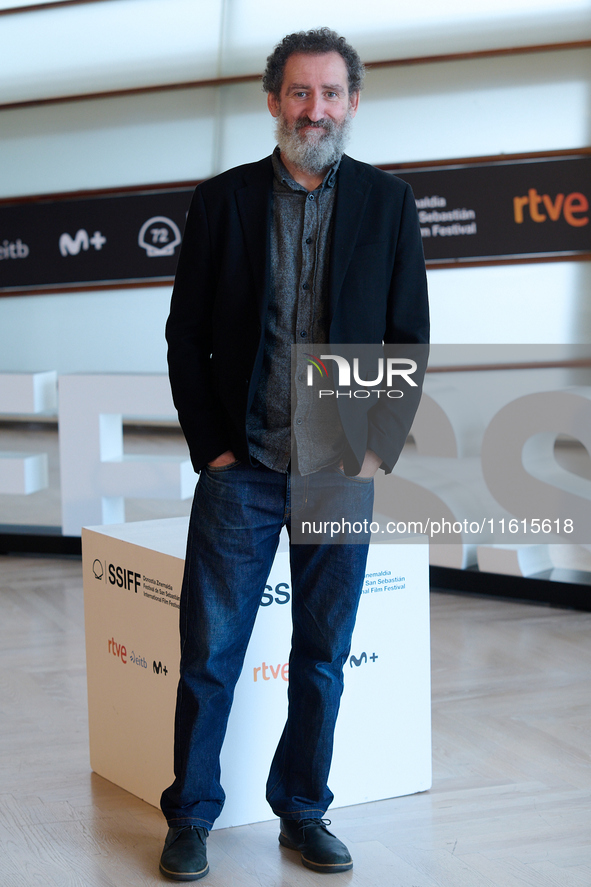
{"type": "Point", "coordinates": [307, 246]}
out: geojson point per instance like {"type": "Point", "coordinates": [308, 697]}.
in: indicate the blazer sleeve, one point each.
{"type": "Point", "coordinates": [390, 421]}
{"type": "Point", "coordinates": [189, 337]}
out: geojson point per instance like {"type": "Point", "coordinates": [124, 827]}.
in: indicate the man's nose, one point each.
{"type": "Point", "coordinates": [315, 108]}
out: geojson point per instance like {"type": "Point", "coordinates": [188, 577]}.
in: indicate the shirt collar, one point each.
{"type": "Point", "coordinates": [283, 177]}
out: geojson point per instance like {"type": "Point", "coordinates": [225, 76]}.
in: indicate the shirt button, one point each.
{"type": "Point", "coordinates": [301, 377]}
{"type": "Point", "coordinates": [310, 197]}
{"type": "Point", "coordinates": [304, 286]}
{"type": "Point", "coordinates": [308, 240]}
{"type": "Point", "coordinates": [303, 334]}
{"type": "Point", "coordinates": [298, 421]}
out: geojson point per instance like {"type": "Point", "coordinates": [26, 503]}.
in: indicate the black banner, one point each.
{"type": "Point", "coordinates": [472, 212]}
{"type": "Point", "coordinates": [503, 210]}
{"type": "Point", "coordinates": [63, 244]}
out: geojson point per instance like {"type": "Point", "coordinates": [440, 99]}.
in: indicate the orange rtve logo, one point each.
{"type": "Point", "coordinates": [570, 207]}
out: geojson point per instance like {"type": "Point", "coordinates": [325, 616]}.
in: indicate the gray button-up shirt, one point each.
{"type": "Point", "coordinates": [297, 314]}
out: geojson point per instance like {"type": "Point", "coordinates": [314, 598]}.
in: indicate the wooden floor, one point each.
{"type": "Point", "coordinates": [510, 803]}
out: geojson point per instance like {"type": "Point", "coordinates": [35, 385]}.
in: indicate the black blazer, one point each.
{"type": "Point", "coordinates": [377, 293]}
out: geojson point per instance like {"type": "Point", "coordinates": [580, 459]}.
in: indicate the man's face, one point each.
{"type": "Point", "coordinates": [314, 110]}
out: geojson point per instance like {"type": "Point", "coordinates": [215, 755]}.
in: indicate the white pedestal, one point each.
{"type": "Point", "coordinates": [132, 581]}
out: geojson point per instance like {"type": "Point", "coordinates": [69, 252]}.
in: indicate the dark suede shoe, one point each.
{"type": "Point", "coordinates": [321, 850]}
{"type": "Point", "coordinates": [184, 857]}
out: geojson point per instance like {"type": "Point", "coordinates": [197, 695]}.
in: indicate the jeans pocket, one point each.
{"type": "Point", "coordinates": [216, 469]}
{"type": "Point", "coordinates": [355, 479]}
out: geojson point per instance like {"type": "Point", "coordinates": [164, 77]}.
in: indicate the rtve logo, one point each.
{"type": "Point", "coordinates": [570, 207]}
{"type": "Point", "coordinates": [118, 650]}
{"type": "Point", "coordinates": [271, 672]}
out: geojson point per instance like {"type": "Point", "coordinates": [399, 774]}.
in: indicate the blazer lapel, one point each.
{"type": "Point", "coordinates": [352, 193]}
{"type": "Point", "coordinates": [254, 209]}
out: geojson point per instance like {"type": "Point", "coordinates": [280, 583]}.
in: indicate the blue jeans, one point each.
{"type": "Point", "coordinates": [237, 516]}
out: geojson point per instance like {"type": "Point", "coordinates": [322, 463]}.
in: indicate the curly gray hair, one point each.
{"type": "Point", "coordinates": [314, 42]}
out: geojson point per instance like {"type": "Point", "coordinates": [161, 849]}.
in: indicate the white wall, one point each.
{"type": "Point", "coordinates": [116, 44]}
{"type": "Point", "coordinates": [114, 331]}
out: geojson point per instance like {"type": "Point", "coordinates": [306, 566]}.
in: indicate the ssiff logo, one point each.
{"type": "Point", "coordinates": [122, 577]}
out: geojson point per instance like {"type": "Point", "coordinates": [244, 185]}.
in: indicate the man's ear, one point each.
{"type": "Point", "coordinates": [273, 104]}
{"type": "Point", "coordinates": [354, 103]}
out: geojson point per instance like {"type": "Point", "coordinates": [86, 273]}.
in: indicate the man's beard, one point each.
{"type": "Point", "coordinates": [312, 153]}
